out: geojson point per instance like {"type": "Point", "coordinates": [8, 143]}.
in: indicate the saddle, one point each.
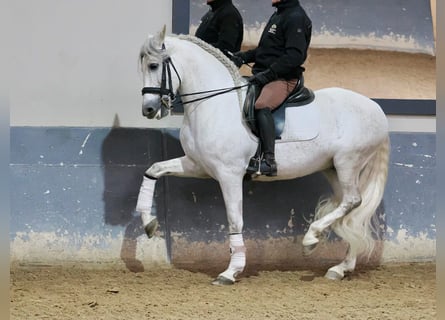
{"type": "Point", "coordinates": [300, 96]}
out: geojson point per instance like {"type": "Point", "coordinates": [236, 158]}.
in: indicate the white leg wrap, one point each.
{"type": "Point", "coordinates": [145, 200]}
{"type": "Point", "coordinates": [237, 257]}
{"type": "Point", "coordinates": [237, 253]}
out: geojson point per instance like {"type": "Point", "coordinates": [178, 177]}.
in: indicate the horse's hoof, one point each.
{"type": "Point", "coordinates": [151, 227]}
{"type": "Point", "coordinates": [309, 249]}
{"type": "Point", "coordinates": [332, 275]}
{"type": "Point", "coordinates": [222, 281]}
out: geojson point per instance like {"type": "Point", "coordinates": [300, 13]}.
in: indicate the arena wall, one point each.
{"type": "Point", "coordinates": [76, 63]}
{"type": "Point", "coordinates": [75, 190]}
{"type": "Point", "coordinates": [402, 26]}
{"type": "Point", "coordinates": [79, 147]}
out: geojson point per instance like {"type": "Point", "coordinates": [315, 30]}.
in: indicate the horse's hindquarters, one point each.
{"type": "Point", "coordinates": [337, 122]}
{"type": "Point", "coordinates": [348, 120]}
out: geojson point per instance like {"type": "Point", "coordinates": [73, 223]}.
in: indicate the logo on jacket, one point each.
{"type": "Point", "coordinates": [273, 29]}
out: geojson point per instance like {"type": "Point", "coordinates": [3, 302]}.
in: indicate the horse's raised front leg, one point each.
{"type": "Point", "coordinates": [182, 166]}
{"type": "Point", "coordinates": [232, 190]}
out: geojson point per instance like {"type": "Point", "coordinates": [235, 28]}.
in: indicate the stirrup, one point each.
{"type": "Point", "coordinates": [254, 166]}
{"type": "Point", "coordinates": [260, 166]}
{"type": "Point", "coordinates": [268, 169]}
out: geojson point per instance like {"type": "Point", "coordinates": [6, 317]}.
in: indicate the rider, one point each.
{"type": "Point", "coordinates": [277, 68]}
{"type": "Point", "coordinates": [222, 26]}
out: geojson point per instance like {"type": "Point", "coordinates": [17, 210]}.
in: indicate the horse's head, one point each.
{"type": "Point", "coordinates": [159, 86]}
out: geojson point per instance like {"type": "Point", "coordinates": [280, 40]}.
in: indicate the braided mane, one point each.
{"type": "Point", "coordinates": [233, 69]}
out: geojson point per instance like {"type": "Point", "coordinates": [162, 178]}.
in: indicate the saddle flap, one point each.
{"type": "Point", "coordinates": [300, 97]}
{"type": "Point", "coordinates": [302, 123]}
{"type": "Point", "coordinates": [249, 107]}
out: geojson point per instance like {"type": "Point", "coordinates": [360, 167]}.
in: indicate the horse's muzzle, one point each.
{"type": "Point", "coordinates": [157, 112]}
{"type": "Point", "coordinates": [150, 112]}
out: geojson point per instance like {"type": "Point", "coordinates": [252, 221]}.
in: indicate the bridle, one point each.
{"type": "Point", "coordinates": [165, 92]}
{"type": "Point", "coordinates": [169, 98]}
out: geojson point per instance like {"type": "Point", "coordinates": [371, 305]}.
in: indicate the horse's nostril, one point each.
{"type": "Point", "coordinates": [146, 111]}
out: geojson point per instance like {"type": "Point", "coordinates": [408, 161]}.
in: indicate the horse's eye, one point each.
{"type": "Point", "coordinates": [153, 66]}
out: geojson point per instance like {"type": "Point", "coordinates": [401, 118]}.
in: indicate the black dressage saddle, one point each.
{"type": "Point", "coordinates": [300, 96]}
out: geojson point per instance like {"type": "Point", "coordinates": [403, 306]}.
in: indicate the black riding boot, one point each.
{"type": "Point", "coordinates": [266, 128]}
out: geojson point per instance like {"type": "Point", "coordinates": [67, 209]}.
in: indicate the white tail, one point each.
{"type": "Point", "coordinates": [358, 227]}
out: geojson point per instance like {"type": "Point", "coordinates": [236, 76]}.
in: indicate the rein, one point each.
{"type": "Point", "coordinates": [166, 91]}
{"type": "Point", "coordinates": [217, 92]}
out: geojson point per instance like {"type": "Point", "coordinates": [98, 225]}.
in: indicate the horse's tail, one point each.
{"type": "Point", "coordinates": [360, 226]}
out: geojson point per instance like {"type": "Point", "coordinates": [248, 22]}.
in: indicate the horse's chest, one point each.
{"type": "Point", "coordinates": [187, 141]}
{"type": "Point", "coordinates": [193, 142]}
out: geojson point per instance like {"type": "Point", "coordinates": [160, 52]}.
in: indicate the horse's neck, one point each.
{"type": "Point", "coordinates": [200, 70]}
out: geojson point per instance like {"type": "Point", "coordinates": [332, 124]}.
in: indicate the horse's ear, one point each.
{"type": "Point", "coordinates": [162, 34]}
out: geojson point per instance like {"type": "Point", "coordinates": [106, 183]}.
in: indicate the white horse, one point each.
{"type": "Point", "coordinates": [351, 146]}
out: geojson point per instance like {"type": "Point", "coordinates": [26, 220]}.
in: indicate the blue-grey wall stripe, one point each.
{"type": "Point", "coordinates": [75, 190]}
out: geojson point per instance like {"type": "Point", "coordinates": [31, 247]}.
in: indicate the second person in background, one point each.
{"type": "Point", "coordinates": [222, 26]}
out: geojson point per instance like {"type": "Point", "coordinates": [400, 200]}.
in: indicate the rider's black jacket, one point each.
{"type": "Point", "coordinates": [222, 26]}
{"type": "Point", "coordinates": [284, 42]}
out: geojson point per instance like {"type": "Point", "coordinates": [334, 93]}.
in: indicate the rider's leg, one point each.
{"type": "Point", "coordinates": [271, 97]}
{"type": "Point", "coordinates": [266, 128]}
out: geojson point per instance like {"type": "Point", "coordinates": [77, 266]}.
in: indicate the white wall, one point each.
{"type": "Point", "coordinates": [74, 63]}
{"type": "Point", "coordinates": [412, 123]}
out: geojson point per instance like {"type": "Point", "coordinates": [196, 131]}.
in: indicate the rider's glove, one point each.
{"type": "Point", "coordinates": [262, 78]}
{"type": "Point", "coordinates": [238, 58]}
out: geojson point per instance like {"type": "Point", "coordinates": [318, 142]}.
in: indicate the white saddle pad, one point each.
{"type": "Point", "coordinates": [301, 123]}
